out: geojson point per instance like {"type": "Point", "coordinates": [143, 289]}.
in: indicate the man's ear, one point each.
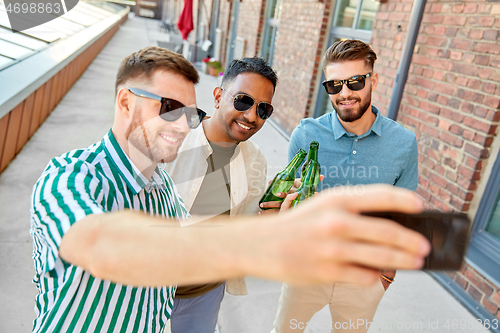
{"type": "Point", "coordinates": [123, 102]}
{"type": "Point", "coordinates": [374, 79]}
{"type": "Point", "coordinates": [217, 96]}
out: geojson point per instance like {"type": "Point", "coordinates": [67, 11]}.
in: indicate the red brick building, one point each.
{"type": "Point", "coordinates": [451, 100]}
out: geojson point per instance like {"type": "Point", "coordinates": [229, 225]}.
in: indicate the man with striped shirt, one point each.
{"type": "Point", "coordinates": [118, 173]}
{"type": "Point", "coordinates": [107, 245]}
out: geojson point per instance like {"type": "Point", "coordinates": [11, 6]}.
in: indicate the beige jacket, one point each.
{"type": "Point", "coordinates": [247, 176]}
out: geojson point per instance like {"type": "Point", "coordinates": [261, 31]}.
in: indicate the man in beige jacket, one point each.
{"type": "Point", "coordinates": [220, 172]}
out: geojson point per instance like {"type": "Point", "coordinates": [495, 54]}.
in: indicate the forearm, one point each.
{"type": "Point", "coordinates": [137, 249]}
{"type": "Point", "coordinates": [323, 240]}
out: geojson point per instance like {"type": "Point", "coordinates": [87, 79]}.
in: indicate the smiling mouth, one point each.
{"type": "Point", "coordinates": [347, 103]}
{"type": "Point", "coordinates": [169, 139]}
{"type": "Point", "coordinates": [243, 126]}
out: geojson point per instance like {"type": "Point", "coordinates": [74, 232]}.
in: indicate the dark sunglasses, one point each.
{"type": "Point", "coordinates": [242, 102]}
{"type": "Point", "coordinates": [171, 110]}
{"type": "Point", "coordinates": [354, 83]}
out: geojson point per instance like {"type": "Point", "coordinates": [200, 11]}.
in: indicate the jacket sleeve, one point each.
{"type": "Point", "coordinates": [256, 172]}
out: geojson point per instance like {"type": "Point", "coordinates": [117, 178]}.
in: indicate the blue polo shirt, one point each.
{"type": "Point", "coordinates": [387, 153]}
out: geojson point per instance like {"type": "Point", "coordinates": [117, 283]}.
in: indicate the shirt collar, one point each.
{"type": "Point", "coordinates": [134, 178]}
{"type": "Point", "coordinates": [339, 130]}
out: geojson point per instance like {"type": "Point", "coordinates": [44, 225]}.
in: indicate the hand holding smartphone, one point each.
{"type": "Point", "coordinates": [448, 234]}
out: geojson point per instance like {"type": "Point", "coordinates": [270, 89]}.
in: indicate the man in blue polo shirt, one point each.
{"type": "Point", "coordinates": [357, 146]}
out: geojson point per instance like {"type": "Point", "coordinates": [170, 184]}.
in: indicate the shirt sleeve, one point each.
{"type": "Point", "coordinates": [409, 175]}
{"type": "Point", "coordinates": [67, 191]}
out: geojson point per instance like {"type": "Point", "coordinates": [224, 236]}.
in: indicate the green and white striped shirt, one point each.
{"type": "Point", "coordinates": [95, 180]}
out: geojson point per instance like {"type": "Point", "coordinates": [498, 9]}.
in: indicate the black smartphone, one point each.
{"type": "Point", "coordinates": [448, 234]}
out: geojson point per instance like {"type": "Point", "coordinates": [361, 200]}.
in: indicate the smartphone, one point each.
{"type": "Point", "coordinates": [448, 234]}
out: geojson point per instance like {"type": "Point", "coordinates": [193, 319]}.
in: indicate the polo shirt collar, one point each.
{"type": "Point", "coordinates": [339, 130]}
{"type": "Point", "coordinates": [377, 124]}
{"type": "Point", "coordinates": [134, 178]}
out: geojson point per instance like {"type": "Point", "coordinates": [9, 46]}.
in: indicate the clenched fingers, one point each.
{"type": "Point", "coordinates": [379, 231]}
{"type": "Point", "coordinates": [373, 198]}
{"type": "Point", "coordinates": [372, 255]}
{"type": "Point", "coordinates": [288, 201]}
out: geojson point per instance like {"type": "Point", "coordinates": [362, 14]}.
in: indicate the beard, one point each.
{"type": "Point", "coordinates": [144, 137]}
{"type": "Point", "coordinates": [353, 114]}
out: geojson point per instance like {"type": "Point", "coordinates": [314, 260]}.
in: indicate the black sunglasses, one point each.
{"type": "Point", "coordinates": [242, 102]}
{"type": "Point", "coordinates": [171, 110]}
{"type": "Point", "coordinates": [354, 83]}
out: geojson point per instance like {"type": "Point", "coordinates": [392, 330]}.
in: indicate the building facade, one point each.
{"type": "Point", "coordinates": [451, 99]}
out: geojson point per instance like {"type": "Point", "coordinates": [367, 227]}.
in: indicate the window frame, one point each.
{"type": "Point", "coordinates": [270, 38]}
{"type": "Point", "coordinates": [484, 249]}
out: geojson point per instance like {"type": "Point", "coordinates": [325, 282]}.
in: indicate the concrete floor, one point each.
{"type": "Point", "coordinates": [82, 118]}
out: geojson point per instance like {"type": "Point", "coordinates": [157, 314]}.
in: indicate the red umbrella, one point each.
{"type": "Point", "coordinates": [185, 22]}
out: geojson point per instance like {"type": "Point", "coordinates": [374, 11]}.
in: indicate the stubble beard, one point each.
{"type": "Point", "coordinates": [138, 137]}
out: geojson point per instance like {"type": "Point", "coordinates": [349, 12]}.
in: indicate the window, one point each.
{"type": "Point", "coordinates": [355, 14]}
{"type": "Point", "coordinates": [17, 46]}
{"type": "Point", "coordinates": [484, 249]}
{"type": "Point", "coordinates": [41, 32]}
{"type": "Point", "coordinates": [352, 19]}
{"type": "Point", "coordinates": [367, 16]}
{"type": "Point", "coordinates": [273, 19]}
{"type": "Point", "coordinates": [79, 17]}
{"type": "Point", "coordinates": [13, 51]}
{"type": "Point", "coordinates": [344, 13]}
{"type": "Point", "coordinates": [4, 61]}
{"type": "Point", "coordinates": [20, 39]}
{"type": "Point", "coordinates": [493, 225]}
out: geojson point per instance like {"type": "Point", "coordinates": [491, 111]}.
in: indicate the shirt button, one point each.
{"type": "Point", "coordinates": [354, 152]}
{"type": "Point", "coordinates": [356, 140]}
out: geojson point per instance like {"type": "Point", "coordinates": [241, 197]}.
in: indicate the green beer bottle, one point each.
{"type": "Point", "coordinates": [313, 156]}
{"type": "Point", "coordinates": [309, 183]}
{"type": "Point", "coordinates": [283, 181]}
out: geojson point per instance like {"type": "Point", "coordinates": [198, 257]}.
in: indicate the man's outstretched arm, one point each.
{"type": "Point", "coordinates": [323, 240]}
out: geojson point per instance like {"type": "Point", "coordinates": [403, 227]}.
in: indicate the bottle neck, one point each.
{"type": "Point", "coordinates": [309, 179]}
{"type": "Point", "coordinates": [296, 161]}
{"type": "Point", "coordinates": [313, 152]}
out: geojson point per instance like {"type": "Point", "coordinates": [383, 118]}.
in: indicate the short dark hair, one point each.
{"type": "Point", "coordinates": [349, 49]}
{"type": "Point", "coordinates": [143, 63]}
{"type": "Point", "coordinates": [249, 65]}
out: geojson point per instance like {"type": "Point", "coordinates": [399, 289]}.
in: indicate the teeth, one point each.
{"type": "Point", "coordinates": [243, 126]}
{"type": "Point", "coordinates": [169, 139]}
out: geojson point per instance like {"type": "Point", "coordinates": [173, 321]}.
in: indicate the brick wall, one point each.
{"type": "Point", "coordinates": [251, 25]}
{"type": "Point", "coordinates": [452, 97]}
{"type": "Point", "coordinates": [451, 102]}
{"type": "Point", "coordinates": [300, 43]}
{"type": "Point", "coordinates": [481, 290]}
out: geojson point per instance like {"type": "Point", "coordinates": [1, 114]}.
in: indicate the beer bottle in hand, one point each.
{"type": "Point", "coordinates": [309, 183]}
{"type": "Point", "coordinates": [283, 181]}
{"type": "Point", "coordinates": [313, 156]}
